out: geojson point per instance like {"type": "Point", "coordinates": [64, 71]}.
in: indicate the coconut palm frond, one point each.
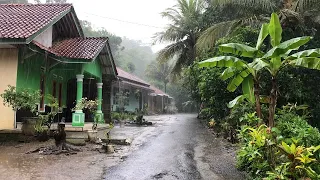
{"type": "Point", "coordinates": [182, 32]}
{"type": "Point", "coordinates": [180, 61]}
{"type": "Point", "coordinates": [171, 34]}
{"type": "Point", "coordinates": [266, 5]}
{"type": "Point", "coordinates": [306, 5]}
{"type": "Point", "coordinates": [171, 50]}
{"type": "Point", "coordinates": [209, 37]}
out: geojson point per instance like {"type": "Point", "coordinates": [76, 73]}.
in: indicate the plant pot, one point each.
{"type": "Point", "coordinates": [92, 135]}
{"type": "Point", "coordinates": [43, 136]}
{"type": "Point", "coordinates": [28, 126]}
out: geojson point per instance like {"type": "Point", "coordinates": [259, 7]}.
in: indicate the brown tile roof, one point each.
{"type": "Point", "coordinates": [24, 20]}
{"type": "Point", "coordinates": [77, 48]}
{"type": "Point", "coordinates": [126, 75]}
{"type": "Point", "coordinates": [158, 91]}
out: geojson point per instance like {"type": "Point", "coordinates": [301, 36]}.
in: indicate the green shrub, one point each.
{"type": "Point", "coordinates": [291, 125]}
{"type": "Point", "coordinates": [290, 150]}
{"type": "Point", "coordinates": [115, 115]}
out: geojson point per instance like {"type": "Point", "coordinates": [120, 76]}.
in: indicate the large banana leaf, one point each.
{"type": "Point", "coordinates": [259, 64]}
{"type": "Point", "coordinates": [237, 80]}
{"type": "Point", "coordinates": [248, 89]}
{"type": "Point", "coordinates": [286, 47]}
{"type": "Point", "coordinates": [307, 62]}
{"type": "Point", "coordinates": [264, 32]}
{"type": "Point", "coordinates": [275, 30]}
{"type": "Point", "coordinates": [236, 101]}
{"type": "Point", "coordinates": [228, 73]}
{"type": "Point", "coordinates": [275, 64]}
{"type": "Point", "coordinates": [306, 53]}
{"type": "Point", "coordinates": [223, 61]}
{"type": "Point", "coordinates": [240, 50]}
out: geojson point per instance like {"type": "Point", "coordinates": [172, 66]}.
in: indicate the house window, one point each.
{"type": "Point", "coordinates": [42, 92]}
{"type": "Point", "coordinates": [60, 95]}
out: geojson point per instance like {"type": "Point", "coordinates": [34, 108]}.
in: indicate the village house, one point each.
{"type": "Point", "coordinates": [42, 47]}
{"type": "Point", "coordinates": [136, 90]}
{"type": "Point", "coordinates": [158, 101]}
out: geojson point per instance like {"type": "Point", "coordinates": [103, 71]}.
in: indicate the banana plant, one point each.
{"type": "Point", "coordinates": [242, 72]}
{"type": "Point", "coordinates": [273, 61]}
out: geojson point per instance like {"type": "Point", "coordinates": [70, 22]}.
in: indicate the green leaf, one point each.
{"type": "Point", "coordinates": [240, 50]}
{"type": "Point", "coordinates": [275, 30]}
{"type": "Point", "coordinates": [258, 64]}
{"type": "Point", "coordinates": [223, 61]}
{"type": "Point", "coordinates": [286, 47]}
{"type": "Point", "coordinates": [264, 32]}
{"type": "Point", "coordinates": [306, 53]}
{"type": "Point", "coordinates": [247, 88]}
{"type": "Point", "coordinates": [264, 99]}
{"type": "Point", "coordinates": [275, 64]}
{"type": "Point", "coordinates": [236, 101]}
{"type": "Point", "coordinates": [228, 73]}
{"type": "Point", "coordinates": [237, 80]}
{"type": "Point", "coordinates": [286, 147]}
{"type": "Point", "coordinates": [307, 62]}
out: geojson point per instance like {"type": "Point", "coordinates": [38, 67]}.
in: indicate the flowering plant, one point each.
{"type": "Point", "coordinates": [84, 103]}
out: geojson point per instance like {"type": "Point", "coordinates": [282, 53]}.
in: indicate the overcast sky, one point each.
{"type": "Point", "coordinates": [102, 12]}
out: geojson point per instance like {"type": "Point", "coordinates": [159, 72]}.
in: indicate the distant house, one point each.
{"type": "Point", "coordinates": [42, 47]}
{"type": "Point", "coordinates": [136, 90]}
{"type": "Point", "coordinates": [158, 101]}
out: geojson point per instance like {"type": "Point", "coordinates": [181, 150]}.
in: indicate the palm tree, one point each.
{"type": "Point", "coordinates": [182, 33]}
{"type": "Point", "coordinates": [159, 71]}
{"type": "Point", "coordinates": [292, 13]}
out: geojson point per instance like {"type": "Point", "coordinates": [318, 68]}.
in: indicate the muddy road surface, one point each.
{"type": "Point", "coordinates": [175, 147]}
{"type": "Point", "coordinates": [179, 148]}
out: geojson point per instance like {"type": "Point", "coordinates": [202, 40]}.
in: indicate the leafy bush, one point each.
{"type": "Point", "coordinates": [291, 125]}
{"type": "Point", "coordinates": [115, 115]}
{"type": "Point", "coordinates": [21, 98]}
{"type": "Point", "coordinates": [290, 150]}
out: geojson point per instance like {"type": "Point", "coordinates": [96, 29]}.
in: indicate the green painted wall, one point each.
{"type": "Point", "coordinates": [93, 68]}
{"type": "Point", "coordinates": [29, 74]}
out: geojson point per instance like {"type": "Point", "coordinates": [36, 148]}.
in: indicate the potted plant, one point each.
{"type": "Point", "coordinates": [41, 131]}
{"type": "Point", "coordinates": [25, 99]}
{"type": "Point", "coordinates": [45, 120]}
{"type": "Point", "coordinates": [91, 107]}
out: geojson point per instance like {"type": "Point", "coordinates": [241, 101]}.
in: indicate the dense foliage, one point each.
{"type": "Point", "coordinates": [290, 150]}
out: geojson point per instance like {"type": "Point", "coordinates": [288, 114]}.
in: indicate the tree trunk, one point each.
{"type": "Point", "coordinates": [257, 99]}
{"type": "Point", "coordinates": [165, 87]}
{"type": "Point", "coordinates": [273, 102]}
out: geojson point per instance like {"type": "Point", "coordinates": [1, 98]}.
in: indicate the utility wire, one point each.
{"type": "Point", "coordinates": [124, 21]}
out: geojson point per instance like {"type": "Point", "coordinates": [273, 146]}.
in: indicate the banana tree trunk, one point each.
{"type": "Point", "coordinates": [273, 102]}
{"type": "Point", "coordinates": [257, 99]}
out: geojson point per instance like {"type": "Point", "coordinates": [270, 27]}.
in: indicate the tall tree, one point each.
{"type": "Point", "coordinates": [182, 33]}
{"type": "Point", "coordinates": [89, 31]}
{"type": "Point", "coordinates": [299, 15]}
{"type": "Point", "coordinates": [159, 71]}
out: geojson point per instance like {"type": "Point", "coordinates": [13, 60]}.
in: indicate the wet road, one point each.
{"type": "Point", "coordinates": [180, 147]}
